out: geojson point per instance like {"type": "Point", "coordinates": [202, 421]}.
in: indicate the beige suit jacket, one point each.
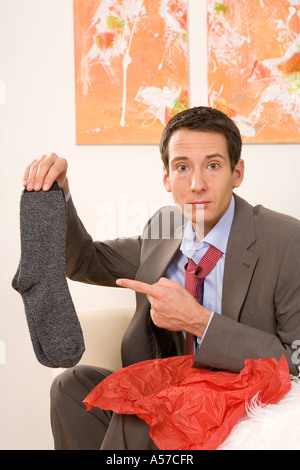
{"type": "Point", "coordinates": [261, 288]}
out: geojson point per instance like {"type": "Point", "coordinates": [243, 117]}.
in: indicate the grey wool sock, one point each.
{"type": "Point", "coordinates": [40, 279]}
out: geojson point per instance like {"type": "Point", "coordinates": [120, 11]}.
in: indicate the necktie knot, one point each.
{"type": "Point", "coordinates": [205, 265]}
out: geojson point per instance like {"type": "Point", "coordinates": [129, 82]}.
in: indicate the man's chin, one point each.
{"type": "Point", "coordinates": [196, 215]}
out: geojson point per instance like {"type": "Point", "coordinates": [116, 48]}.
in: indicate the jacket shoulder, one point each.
{"type": "Point", "coordinates": [263, 214]}
{"type": "Point", "coordinates": [275, 219]}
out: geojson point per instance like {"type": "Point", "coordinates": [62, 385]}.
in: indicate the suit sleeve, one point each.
{"type": "Point", "coordinates": [94, 262]}
{"type": "Point", "coordinates": [228, 343]}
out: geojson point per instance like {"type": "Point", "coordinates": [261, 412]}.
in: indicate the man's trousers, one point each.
{"type": "Point", "coordinates": [75, 428]}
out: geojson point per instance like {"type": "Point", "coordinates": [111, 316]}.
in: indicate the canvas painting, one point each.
{"type": "Point", "coordinates": [131, 68]}
{"type": "Point", "coordinates": [254, 67]}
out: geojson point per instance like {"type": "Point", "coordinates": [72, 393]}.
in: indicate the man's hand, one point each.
{"type": "Point", "coordinates": [42, 172]}
{"type": "Point", "coordinates": [172, 306]}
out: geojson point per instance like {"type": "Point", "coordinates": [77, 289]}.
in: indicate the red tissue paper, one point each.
{"type": "Point", "coordinates": [190, 408]}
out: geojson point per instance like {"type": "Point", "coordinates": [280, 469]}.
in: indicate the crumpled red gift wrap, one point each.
{"type": "Point", "coordinates": [190, 408]}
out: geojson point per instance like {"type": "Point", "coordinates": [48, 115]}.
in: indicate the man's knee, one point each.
{"type": "Point", "coordinates": [61, 379]}
{"type": "Point", "coordinates": [76, 382]}
{"type": "Point", "coordinates": [62, 385]}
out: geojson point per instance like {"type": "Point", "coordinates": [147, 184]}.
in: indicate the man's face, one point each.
{"type": "Point", "coordinates": [200, 176]}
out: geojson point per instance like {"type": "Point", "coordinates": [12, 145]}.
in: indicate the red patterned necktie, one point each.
{"type": "Point", "coordinates": [194, 277]}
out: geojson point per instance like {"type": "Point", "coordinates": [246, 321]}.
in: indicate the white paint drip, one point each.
{"type": "Point", "coordinates": [169, 19]}
{"type": "Point", "coordinates": [294, 2]}
{"type": "Point", "coordinates": [129, 11]}
{"type": "Point", "coordinates": [126, 62]}
{"type": "Point", "coordinates": [157, 100]}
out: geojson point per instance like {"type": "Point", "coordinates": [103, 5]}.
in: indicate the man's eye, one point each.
{"type": "Point", "coordinates": [213, 166]}
{"type": "Point", "coordinates": [182, 168]}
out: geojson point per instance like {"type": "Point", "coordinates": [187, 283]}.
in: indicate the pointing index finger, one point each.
{"type": "Point", "coordinates": [137, 286]}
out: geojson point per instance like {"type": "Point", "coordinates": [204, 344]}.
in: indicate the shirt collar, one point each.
{"type": "Point", "coordinates": [217, 237]}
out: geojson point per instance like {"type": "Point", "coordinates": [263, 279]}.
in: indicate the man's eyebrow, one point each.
{"type": "Point", "coordinates": [176, 159]}
{"type": "Point", "coordinates": [215, 155]}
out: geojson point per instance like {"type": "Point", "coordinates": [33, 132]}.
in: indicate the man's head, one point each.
{"type": "Point", "coordinates": [201, 150]}
{"type": "Point", "coordinates": [204, 119]}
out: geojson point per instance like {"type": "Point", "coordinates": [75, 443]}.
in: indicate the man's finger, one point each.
{"type": "Point", "coordinates": [137, 286]}
{"type": "Point", "coordinates": [27, 171]}
{"type": "Point", "coordinates": [165, 282]}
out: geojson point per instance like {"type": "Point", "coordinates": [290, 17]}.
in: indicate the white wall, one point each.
{"type": "Point", "coordinates": [36, 64]}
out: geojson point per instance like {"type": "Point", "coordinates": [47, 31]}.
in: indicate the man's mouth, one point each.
{"type": "Point", "coordinates": [199, 204]}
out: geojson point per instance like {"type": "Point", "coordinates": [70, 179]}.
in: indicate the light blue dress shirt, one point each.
{"type": "Point", "coordinates": [192, 248]}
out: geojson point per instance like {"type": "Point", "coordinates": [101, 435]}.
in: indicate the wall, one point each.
{"type": "Point", "coordinates": [36, 65]}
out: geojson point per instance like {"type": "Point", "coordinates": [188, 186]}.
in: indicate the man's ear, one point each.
{"type": "Point", "coordinates": [166, 181]}
{"type": "Point", "coordinates": [239, 173]}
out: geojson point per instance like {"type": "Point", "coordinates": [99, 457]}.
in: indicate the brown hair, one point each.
{"type": "Point", "coordinates": [204, 119]}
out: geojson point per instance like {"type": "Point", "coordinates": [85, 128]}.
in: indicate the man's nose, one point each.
{"type": "Point", "coordinates": [198, 182]}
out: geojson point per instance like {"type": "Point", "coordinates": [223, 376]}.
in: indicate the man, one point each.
{"type": "Point", "coordinates": [251, 299]}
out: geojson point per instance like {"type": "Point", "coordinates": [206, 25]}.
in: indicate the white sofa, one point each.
{"type": "Point", "coordinates": [103, 330]}
{"type": "Point", "coordinates": [275, 427]}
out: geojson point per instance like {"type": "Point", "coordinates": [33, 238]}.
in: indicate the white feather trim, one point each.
{"type": "Point", "coordinates": [268, 427]}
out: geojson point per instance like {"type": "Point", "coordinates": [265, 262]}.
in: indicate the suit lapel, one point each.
{"type": "Point", "coordinates": [171, 225]}
{"type": "Point", "coordinates": [239, 261]}
{"type": "Point", "coordinates": [159, 260]}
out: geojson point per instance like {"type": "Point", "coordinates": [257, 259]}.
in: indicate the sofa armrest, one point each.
{"type": "Point", "coordinates": [103, 330]}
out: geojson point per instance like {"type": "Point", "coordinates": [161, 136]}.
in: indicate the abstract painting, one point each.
{"type": "Point", "coordinates": [254, 67]}
{"type": "Point", "coordinates": [131, 68]}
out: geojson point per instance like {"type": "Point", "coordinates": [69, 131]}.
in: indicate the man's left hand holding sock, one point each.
{"type": "Point", "coordinates": [53, 324]}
